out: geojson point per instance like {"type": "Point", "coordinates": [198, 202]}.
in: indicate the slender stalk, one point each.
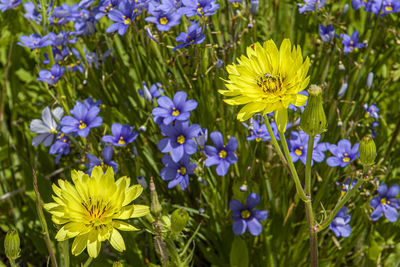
{"type": "Point", "coordinates": [42, 220]}
{"type": "Point", "coordinates": [274, 141]}
{"type": "Point", "coordinates": [12, 263]}
{"type": "Point", "coordinates": [65, 248]}
{"type": "Point", "coordinates": [293, 171]}
{"type": "Point", "coordinates": [309, 211]}
{"type": "Point", "coordinates": [88, 262]}
{"type": "Point", "coordinates": [339, 205]}
{"type": "Point", "coordinates": [310, 149]}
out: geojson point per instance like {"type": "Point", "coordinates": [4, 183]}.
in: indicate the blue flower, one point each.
{"type": "Point", "coordinates": [221, 155]}
{"type": "Point", "coordinates": [83, 120]}
{"type": "Point", "coordinates": [351, 43]}
{"type": "Point", "coordinates": [105, 163]}
{"type": "Point", "coordinates": [382, 7]}
{"type": "Point", "coordinates": [89, 102]}
{"type": "Point", "coordinates": [164, 19]}
{"type": "Point", "coordinates": [51, 77]}
{"type": "Point", "coordinates": [170, 5]}
{"type": "Point", "coordinates": [343, 153]}
{"type": "Point", "coordinates": [259, 132]}
{"type": "Point", "coordinates": [85, 23]}
{"type": "Point", "coordinates": [246, 216]}
{"type": "Point", "coordinates": [201, 138]}
{"type": "Point", "coordinates": [179, 139]}
{"type": "Point", "coordinates": [327, 33]}
{"type": "Point", "coordinates": [154, 92]}
{"type": "Point", "coordinates": [124, 16]}
{"type": "Point", "coordinates": [203, 8]}
{"type": "Point", "coordinates": [61, 39]}
{"type": "Point", "coordinates": [298, 146]}
{"type": "Point", "coordinates": [371, 111]}
{"type": "Point", "coordinates": [60, 147]}
{"type": "Point", "coordinates": [194, 35]}
{"type": "Point", "coordinates": [77, 65]}
{"type": "Point", "coordinates": [386, 203]}
{"type": "Point", "coordinates": [346, 186]}
{"type": "Point", "coordinates": [235, 2]}
{"type": "Point", "coordinates": [311, 5]}
{"type": "Point", "coordinates": [9, 4]}
{"type": "Point", "coordinates": [122, 135]}
{"type": "Point", "coordinates": [177, 172]}
{"type": "Point", "coordinates": [46, 127]}
{"type": "Point", "coordinates": [254, 6]}
{"type": "Point", "coordinates": [34, 41]}
{"type": "Point", "coordinates": [356, 4]}
{"type": "Point", "coordinates": [31, 12]}
{"type": "Point", "coordinates": [64, 14]}
{"type": "Point", "coordinates": [340, 224]}
{"type": "Point", "coordinates": [178, 109]}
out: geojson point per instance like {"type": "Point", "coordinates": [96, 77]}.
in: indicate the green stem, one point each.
{"type": "Point", "coordinates": [293, 171]}
{"type": "Point", "coordinates": [12, 262]}
{"type": "Point", "coordinates": [88, 262]}
{"type": "Point", "coordinates": [65, 248]}
{"type": "Point", "coordinates": [310, 149]}
{"type": "Point", "coordinates": [339, 205]}
{"type": "Point", "coordinates": [313, 234]}
{"type": "Point", "coordinates": [274, 141]}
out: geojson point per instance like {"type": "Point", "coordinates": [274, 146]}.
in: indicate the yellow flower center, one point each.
{"type": "Point", "coordinates": [121, 141]}
{"type": "Point", "coordinates": [181, 139]}
{"type": "Point", "coordinates": [127, 21]}
{"type": "Point", "coordinates": [164, 20]}
{"type": "Point", "coordinates": [82, 125]}
{"type": "Point", "coordinates": [200, 10]}
{"type": "Point", "coordinates": [182, 170]}
{"type": "Point", "coordinates": [258, 139]}
{"type": "Point", "coordinates": [346, 157]}
{"type": "Point", "coordinates": [298, 152]}
{"type": "Point", "coordinates": [245, 214]}
{"type": "Point", "coordinates": [222, 154]}
{"type": "Point", "coordinates": [95, 212]}
{"type": "Point", "coordinates": [269, 84]}
{"type": "Point", "coordinates": [52, 76]}
{"type": "Point", "coordinates": [235, 4]}
{"type": "Point", "coordinates": [175, 112]}
{"type": "Point", "coordinates": [383, 201]}
{"type": "Point", "coordinates": [60, 136]}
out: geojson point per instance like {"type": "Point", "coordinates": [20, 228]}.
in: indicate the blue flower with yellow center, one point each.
{"type": "Point", "coordinates": [52, 76]}
{"type": "Point", "coordinates": [194, 35]}
{"type": "Point", "coordinates": [202, 8]}
{"type": "Point", "coordinates": [82, 120]}
{"type": "Point", "coordinates": [246, 217]}
{"type": "Point", "coordinates": [340, 224]}
{"type": "Point", "coordinates": [221, 155]}
{"type": "Point", "coordinates": [179, 139]}
{"type": "Point", "coordinates": [163, 18]}
{"type": "Point", "coordinates": [60, 147]}
{"type": "Point", "coordinates": [177, 172]}
{"type": "Point", "coordinates": [351, 43]}
{"type": "Point", "coordinates": [124, 16]}
{"type": "Point", "coordinates": [104, 163]}
{"type": "Point", "coordinates": [386, 203]}
{"type": "Point", "coordinates": [122, 135]}
{"type": "Point", "coordinates": [343, 153]}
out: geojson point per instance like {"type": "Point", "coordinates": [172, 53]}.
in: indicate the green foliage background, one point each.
{"type": "Point", "coordinates": [284, 241]}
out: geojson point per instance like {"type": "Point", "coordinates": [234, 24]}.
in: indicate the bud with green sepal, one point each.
{"type": "Point", "coordinates": [313, 119]}
{"type": "Point", "coordinates": [179, 219]}
{"type": "Point", "coordinates": [11, 246]}
{"type": "Point", "coordinates": [367, 151]}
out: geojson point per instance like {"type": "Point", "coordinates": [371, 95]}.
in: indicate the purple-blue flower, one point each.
{"type": "Point", "coordinates": [343, 153]}
{"type": "Point", "coordinates": [356, 4]}
{"type": "Point", "coordinates": [386, 203]}
{"type": "Point", "coordinates": [298, 145]}
{"type": "Point", "coordinates": [164, 19]}
{"type": "Point", "coordinates": [64, 14]}
{"type": "Point", "coordinates": [124, 16]}
{"type": "Point", "coordinates": [46, 127]}
{"type": "Point", "coordinates": [154, 92]}
{"type": "Point", "coordinates": [203, 8]}
{"type": "Point", "coordinates": [194, 35]}
{"type": "Point", "coordinates": [51, 77]}
{"type": "Point", "coordinates": [83, 119]}
{"type": "Point", "coordinates": [8, 4]}
{"type": "Point", "coordinates": [351, 43]}
{"type": "Point", "coordinates": [122, 135]}
{"type": "Point", "coordinates": [61, 39]}
{"type": "Point", "coordinates": [177, 172]}
{"type": "Point", "coordinates": [235, 3]}
{"type": "Point", "coordinates": [258, 132]}
{"type": "Point", "coordinates": [201, 138]}
{"type": "Point", "coordinates": [311, 5]}
{"type": "Point", "coordinates": [340, 224]}
{"type": "Point", "coordinates": [60, 147]}
{"type": "Point", "coordinates": [34, 41]}
{"type": "Point", "coordinates": [178, 109]}
{"type": "Point", "coordinates": [346, 186]}
{"type": "Point", "coordinates": [371, 111]}
{"type": "Point", "coordinates": [179, 140]}
{"type": "Point", "coordinates": [105, 163]}
{"type": "Point", "coordinates": [326, 33]}
{"type": "Point", "coordinates": [85, 23]}
{"type": "Point", "coordinates": [246, 217]}
{"type": "Point", "coordinates": [221, 155]}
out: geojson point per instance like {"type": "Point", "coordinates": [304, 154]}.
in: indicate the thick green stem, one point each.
{"type": "Point", "coordinates": [310, 149]}
{"type": "Point", "coordinates": [293, 171]}
{"type": "Point", "coordinates": [339, 205]}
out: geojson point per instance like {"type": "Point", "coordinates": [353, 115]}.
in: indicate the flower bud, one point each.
{"type": "Point", "coordinates": [179, 219]}
{"type": "Point", "coordinates": [11, 245]}
{"type": "Point", "coordinates": [117, 264]}
{"type": "Point", "coordinates": [370, 79]}
{"type": "Point", "coordinates": [202, 137]}
{"type": "Point", "coordinates": [254, 6]}
{"type": "Point", "coordinates": [155, 204]}
{"type": "Point", "coordinates": [367, 151]}
{"type": "Point", "coordinates": [313, 120]}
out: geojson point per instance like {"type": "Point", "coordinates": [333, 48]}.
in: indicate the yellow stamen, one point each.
{"type": "Point", "coordinates": [164, 20]}
{"type": "Point", "coordinates": [121, 141]}
{"type": "Point", "coordinates": [222, 154]}
{"type": "Point", "coordinates": [82, 125]}
{"type": "Point", "coordinates": [181, 139]}
{"type": "Point", "coordinates": [175, 112]}
{"type": "Point", "coordinates": [258, 139]}
{"type": "Point", "coordinates": [245, 214]}
{"type": "Point", "coordinates": [383, 201]}
{"type": "Point", "coordinates": [182, 170]}
{"type": "Point", "coordinates": [127, 21]}
{"type": "Point", "coordinates": [52, 76]}
{"type": "Point", "coordinates": [269, 84]}
{"type": "Point", "coordinates": [298, 152]}
{"type": "Point", "coordinates": [346, 159]}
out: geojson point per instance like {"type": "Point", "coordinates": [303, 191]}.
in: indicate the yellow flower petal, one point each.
{"type": "Point", "coordinates": [93, 245]}
{"type": "Point", "coordinates": [139, 211]}
{"type": "Point", "coordinates": [123, 226]}
{"type": "Point", "coordinates": [79, 244]}
{"type": "Point", "coordinates": [117, 241]}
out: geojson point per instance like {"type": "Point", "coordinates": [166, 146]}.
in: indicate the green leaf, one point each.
{"type": "Point", "coordinates": [239, 256]}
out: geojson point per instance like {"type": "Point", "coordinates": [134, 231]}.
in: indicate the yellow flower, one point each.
{"type": "Point", "coordinates": [91, 210]}
{"type": "Point", "coordinates": [267, 79]}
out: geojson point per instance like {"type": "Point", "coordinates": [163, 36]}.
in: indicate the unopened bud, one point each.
{"type": "Point", "coordinates": [142, 128]}
{"type": "Point", "coordinates": [367, 151]}
{"type": "Point", "coordinates": [11, 245]}
{"type": "Point", "coordinates": [370, 79]}
{"type": "Point", "coordinates": [117, 264]}
{"type": "Point", "coordinates": [179, 220]}
{"type": "Point", "coordinates": [313, 119]}
{"type": "Point", "coordinates": [155, 204]}
{"type": "Point", "coordinates": [243, 188]}
{"type": "Point", "coordinates": [202, 137]}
